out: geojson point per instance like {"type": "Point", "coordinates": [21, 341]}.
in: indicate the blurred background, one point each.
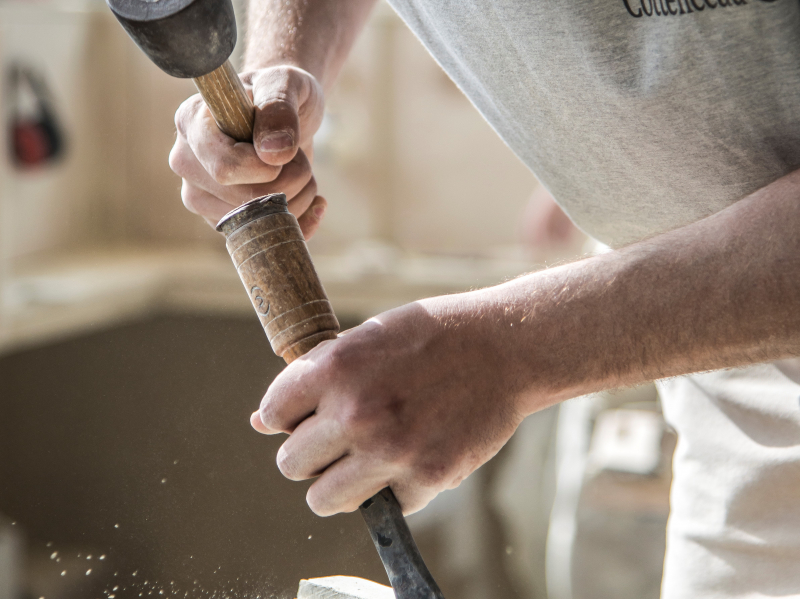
{"type": "Point", "coordinates": [130, 358]}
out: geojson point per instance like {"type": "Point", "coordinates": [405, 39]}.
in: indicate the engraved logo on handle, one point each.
{"type": "Point", "coordinates": [259, 302]}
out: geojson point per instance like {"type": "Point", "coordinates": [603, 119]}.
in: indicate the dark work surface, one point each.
{"type": "Point", "coordinates": [90, 427]}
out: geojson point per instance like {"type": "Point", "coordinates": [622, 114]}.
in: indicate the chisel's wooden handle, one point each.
{"type": "Point", "coordinates": [228, 102]}
{"type": "Point", "coordinates": [270, 254]}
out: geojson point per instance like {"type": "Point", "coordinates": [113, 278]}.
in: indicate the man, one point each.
{"type": "Point", "coordinates": [668, 129]}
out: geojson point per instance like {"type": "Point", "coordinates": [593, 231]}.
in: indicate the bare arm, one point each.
{"type": "Point", "coordinates": [420, 396]}
{"type": "Point", "coordinates": [721, 292]}
{"type": "Point", "coordinates": [315, 36]}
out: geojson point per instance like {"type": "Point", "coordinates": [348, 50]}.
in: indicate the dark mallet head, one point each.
{"type": "Point", "coordinates": [185, 38]}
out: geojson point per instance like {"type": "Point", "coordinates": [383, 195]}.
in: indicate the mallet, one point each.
{"type": "Point", "coordinates": [194, 39]}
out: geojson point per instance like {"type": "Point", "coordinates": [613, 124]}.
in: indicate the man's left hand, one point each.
{"type": "Point", "coordinates": [415, 398]}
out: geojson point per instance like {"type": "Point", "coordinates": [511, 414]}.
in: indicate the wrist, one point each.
{"type": "Point", "coordinates": [249, 72]}
{"type": "Point", "coordinates": [255, 66]}
{"type": "Point", "coordinates": [279, 49]}
{"type": "Point", "coordinates": [548, 331]}
{"type": "Point", "coordinates": [480, 338]}
{"type": "Point", "coordinates": [274, 54]}
{"type": "Point", "coordinates": [262, 64]}
{"type": "Point", "coordinates": [313, 36]}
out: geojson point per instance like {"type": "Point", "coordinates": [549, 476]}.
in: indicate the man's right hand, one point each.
{"type": "Point", "coordinates": [220, 174]}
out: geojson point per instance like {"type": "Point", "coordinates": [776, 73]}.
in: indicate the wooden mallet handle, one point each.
{"type": "Point", "coordinates": [230, 105]}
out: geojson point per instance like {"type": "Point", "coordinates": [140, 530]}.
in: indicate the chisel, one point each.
{"type": "Point", "coordinates": [194, 39]}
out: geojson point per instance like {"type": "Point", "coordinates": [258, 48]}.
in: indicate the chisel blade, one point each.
{"type": "Point", "coordinates": [408, 574]}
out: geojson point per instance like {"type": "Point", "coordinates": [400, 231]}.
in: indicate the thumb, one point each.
{"type": "Point", "coordinates": [276, 131]}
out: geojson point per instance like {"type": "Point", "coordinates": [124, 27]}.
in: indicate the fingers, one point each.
{"type": "Point", "coordinates": [289, 108]}
{"type": "Point", "coordinates": [255, 422]}
{"type": "Point", "coordinates": [288, 401]}
{"type": "Point", "coordinates": [311, 219]}
{"type": "Point", "coordinates": [198, 201]}
{"type": "Point", "coordinates": [302, 201]}
{"type": "Point", "coordinates": [350, 481]}
{"type": "Point", "coordinates": [344, 486]}
{"type": "Point", "coordinates": [315, 444]}
{"type": "Point", "coordinates": [226, 161]}
{"type": "Point", "coordinates": [293, 178]}
{"type": "Point", "coordinates": [413, 497]}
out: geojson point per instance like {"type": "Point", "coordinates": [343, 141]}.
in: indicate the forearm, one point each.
{"type": "Point", "coordinates": [314, 35]}
{"type": "Point", "coordinates": [721, 292]}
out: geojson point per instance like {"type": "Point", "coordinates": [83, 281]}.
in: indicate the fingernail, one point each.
{"type": "Point", "coordinates": [276, 141]}
{"type": "Point", "coordinates": [319, 211]}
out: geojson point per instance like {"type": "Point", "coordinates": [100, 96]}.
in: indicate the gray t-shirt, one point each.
{"type": "Point", "coordinates": [636, 124]}
{"type": "Point", "coordinates": [642, 116]}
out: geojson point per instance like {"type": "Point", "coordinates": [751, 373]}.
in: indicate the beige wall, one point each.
{"type": "Point", "coordinates": [406, 158]}
{"type": "Point", "coordinates": [53, 203]}
{"type": "Point", "coordinates": [403, 157]}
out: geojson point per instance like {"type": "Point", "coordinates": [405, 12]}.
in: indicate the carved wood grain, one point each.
{"type": "Point", "coordinates": [227, 100]}
{"type": "Point", "coordinates": [271, 256]}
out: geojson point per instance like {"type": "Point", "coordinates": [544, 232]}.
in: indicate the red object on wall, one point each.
{"type": "Point", "coordinates": [31, 144]}
{"type": "Point", "coordinates": [36, 137]}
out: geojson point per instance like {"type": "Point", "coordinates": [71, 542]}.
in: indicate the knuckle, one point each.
{"type": "Point", "coordinates": [303, 82]}
{"type": "Point", "coordinates": [222, 171]}
{"type": "Point", "coordinates": [278, 103]}
{"type": "Point", "coordinates": [288, 465]}
{"type": "Point", "coordinates": [293, 76]}
{"type": "Point", "coordinates": [319, 504]}
{"type": "Point", "coordinates": [343, 358]}
{"type": "Point", "coordinates": [190, 199]}
{"type": "Point", "coordinates": [353, 415]}
{"type": "Point", "coordinates": [298, 82]}
{"type": "Point", "coordinates": [270, 417]}
{"type": "Point", "coordinates": [375, 423]}
{"type": "Point", "coordinates": [274, 92]}
{"type": "Point", "coordinates": [399, 448]}
{"type": "Point", "coordinates": [183, 116]}
{"type": "Point", "coordinates": [273, 172]}
{"type": "Point", "coordinates": [247, 78]}
{"type": "Point", "coordinates": [178, 160]}
{"type": "Point", "coordinates": [180, 126]}
{"type": "Point", "coordinates": [434, 473]}
{"type": "Point", "coordinates": [311, 186]}
{"type": "Point", "coordinates": [297, 175]}
{"type": "Point", "coordinates": [305, 170]}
